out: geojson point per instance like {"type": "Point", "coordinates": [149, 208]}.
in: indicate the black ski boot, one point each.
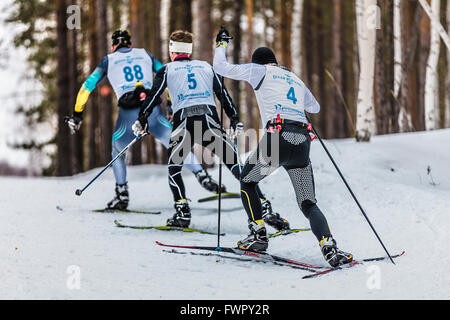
{"type": "Point", "coordinates": [332, 254]}
{"type": "Point", "coordinates": [207, 182]}
{"type": "Point", "coordinates": [182, 218]}
{"type": "Point", "coordinates": [273, 219]}
{"type": "Point", "coordinates": [120, 201]}
{"type": "Point", "coordinates": [257, 239]}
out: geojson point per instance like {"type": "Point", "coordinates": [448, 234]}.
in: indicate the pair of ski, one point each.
{"type": "Point", "coordinates": [172, 228]}
{"type": "Point", "coordinates": [225, 195]}
{"type": "Point", "coordinates": [316, 271]}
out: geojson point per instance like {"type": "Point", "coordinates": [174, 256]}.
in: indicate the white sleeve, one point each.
{"type": "Point", "coordinates": [251, 72]}
{"type": "Point", "coordinates": [311, 104]}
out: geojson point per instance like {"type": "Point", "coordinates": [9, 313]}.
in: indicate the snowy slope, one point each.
{"type": "Point", "coordinates": [39, 243]}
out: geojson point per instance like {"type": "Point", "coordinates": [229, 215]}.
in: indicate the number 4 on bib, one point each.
{"type": "Point", "coordinates": [291, 95]}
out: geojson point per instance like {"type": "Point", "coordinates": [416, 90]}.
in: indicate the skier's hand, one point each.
{"type": "Point", "coordinates": [223, 37]}
{"type": "Point", "coordinates": [74, 122]}
{"type": "Point", "coordinates": [138, 127]}
{"type": "Point", "coordinates": [236, 126]}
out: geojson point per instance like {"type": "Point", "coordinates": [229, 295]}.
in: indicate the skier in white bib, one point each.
{"type": "Point", "coordinates": [192, 85]}
{"type": "Point", "coordinates": [130, 73]}
{"type": "Point", "coordinates": [282, 99]}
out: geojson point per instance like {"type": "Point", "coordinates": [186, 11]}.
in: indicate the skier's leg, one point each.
{"type": "Point", "coordinates": [217, 141]}
{"type": "Point", "coordinates": [161, 129]}
{"type": "Point", "coordinates": [303, 181]}
{"type": "Point", "coordinates": [300, 171]}
{"type": "Point", "coordinates": [260, 164]}
{"type": "Point", "coordinates": [122, 136]}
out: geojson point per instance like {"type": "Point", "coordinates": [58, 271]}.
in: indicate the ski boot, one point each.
{"type": "Point", "coordinates": [332, 254]}
{"type": "Point", "coordinates": [182, 217]}
{"type": "Point", "coordinates": [273, 219]}
{"type": "Point", "coordinates": [120, 201]}
{"type": "Point", "coordinates": [257, 239]}
{"type": "Point", "coordinates": [207, 182]}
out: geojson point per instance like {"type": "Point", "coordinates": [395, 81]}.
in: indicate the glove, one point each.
{"type": "Point", "coordinates": [74, 122]}
{"type": "Point", "coordinates": [223, 37]}
{"type": "Point", "coordinates": [236, 126]}
{"type": "Point", "coordinates": [139, 126]}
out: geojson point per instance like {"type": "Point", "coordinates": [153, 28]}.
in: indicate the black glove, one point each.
{"type": "Point", "coordinates": [223, 35]}
{"type": "Point", "coordinates": [74, 122]}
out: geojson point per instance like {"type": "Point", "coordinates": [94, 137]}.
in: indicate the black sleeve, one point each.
{"type": "Point", "coordinates": [153, 98]}
{"type": "Point", "coordinates": [226, 102]}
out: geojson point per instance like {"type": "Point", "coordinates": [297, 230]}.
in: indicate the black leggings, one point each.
{"type": "Point", "coordinates": [206, 131]}
{"type": "Point", "coordinates": [289, 149]}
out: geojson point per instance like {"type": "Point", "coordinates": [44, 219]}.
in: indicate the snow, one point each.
{"type": "Point", "coordinates": [43, 249]}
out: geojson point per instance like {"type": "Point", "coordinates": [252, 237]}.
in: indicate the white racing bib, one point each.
{"type": "Point", "coordinates": [282, 93]}
{"type": "Point", "coordinates": [190, 83]}
{"type": "Point", "coordinates": [125, 69]}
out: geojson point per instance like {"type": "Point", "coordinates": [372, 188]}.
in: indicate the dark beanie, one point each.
{"type": "Point", "coordinates": [264, 55]}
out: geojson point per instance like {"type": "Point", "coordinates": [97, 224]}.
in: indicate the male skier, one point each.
{"type": "Point", "coordinates": [192, 85]}
{"type": "Point", "coordinates": [282, 99]}
{"type": "Point", "coordinates": [130, 72]}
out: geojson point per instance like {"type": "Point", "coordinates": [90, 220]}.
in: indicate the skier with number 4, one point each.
{"type": "Point", "coordinates": [192, 85]}
{"type": "Point", "coordinates": [282, 99]}
{"type": "Point", "coordinates": [130, 72]}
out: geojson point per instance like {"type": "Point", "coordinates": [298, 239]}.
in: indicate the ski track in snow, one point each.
{"type": "Point", "coordinates": [388, 175]}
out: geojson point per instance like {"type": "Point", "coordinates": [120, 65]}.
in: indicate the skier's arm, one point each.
{"type": "Point", "coordinates": [89, 85]}
{"type": "Point", "coordinates": [311, 104]}
{"type": "Point", "coordinates": [153, 98]}
{"type": "Point", "coordinates": [225, 100]}
{"type": "Point", "coordinates": [156, 63]}
{"type": "Point", "coordinates": [251, 72]}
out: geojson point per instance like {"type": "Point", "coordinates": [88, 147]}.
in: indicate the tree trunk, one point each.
{"type": "Point", "coordinates": [397, 47]}
{"type": "Point", "coordinates": [431, 82]}
{"type": "Point", "coordinates": [285, 28]}
{"type": "Point", "coordinates": [296, 39]}
{"type": "Point", "coordinates": [203, 40]}
{"type": "Point", "coordinates": [381, 94]}
{"type": "Point", "coordinates": [447, 81]}
{"type": "Point", "coordinates": [76, 139]}
{"type": "Point", "coordinates": [411, 40]}
{"type": "Point", "coordinates": [365, 121]}
{"type": "Point", "coordinates": [92, 104]}
{"type": "Point", "coordinates": [337, 110]}
{"type": "Point", "coordinates": [64, 167]}
{"type": "Point", "coordinates": [180, 15]}
{"type": "Point", "coordinates": [153, 27]}
{"type": "Point", "coordinates": [105, 90]}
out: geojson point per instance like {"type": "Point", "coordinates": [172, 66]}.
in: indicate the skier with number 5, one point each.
{"type": "Point", "coordinates": [282, 99]}
{"type": "Point", "coordinates": [130, 72]}
{"type": "Point", "coordinates": [192, 85]}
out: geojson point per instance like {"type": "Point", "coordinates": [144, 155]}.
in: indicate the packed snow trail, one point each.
{"type": "Point", "coordinates": [43, 249]}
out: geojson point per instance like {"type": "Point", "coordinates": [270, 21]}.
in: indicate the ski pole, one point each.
{"type": "Point", "coordinates": [349, 189]}
{"type": "Point", "coordinates": [219, 208]}
{"type": "Point", "coordinates": [78, 192]}
{"type": "Point", "coordinates": [237, 153]}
